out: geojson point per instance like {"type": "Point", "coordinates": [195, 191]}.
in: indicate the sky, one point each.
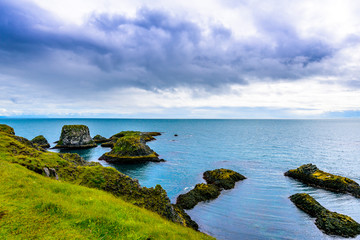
{"type": "Point", "coordinates": [180, 59]}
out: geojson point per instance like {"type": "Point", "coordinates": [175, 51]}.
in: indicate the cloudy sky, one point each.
{"type": "Point", "coordinates": [180, 59]}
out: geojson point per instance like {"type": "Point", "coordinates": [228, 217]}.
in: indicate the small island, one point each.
{"type": "Point", "coordinates": [75, 136]}
{"type": "Point", "coordinates": [100, 139]}
{"type": "Point", "coordinates": [331, 223]}
{"type": "Point", "coordinates": [130, 147]}
{"type": "Point", "coordinates": [217, 180]}
{"type": "Point", "coordinates": [311, 175]}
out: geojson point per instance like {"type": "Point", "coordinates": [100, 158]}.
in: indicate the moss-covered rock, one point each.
{"type": "Point", "coordinates": [312, 176]}
{"type": "Point", "coordinates": [100, 139]}
{"type": "Point", "coordinates": [201, 192]}
{"type": "Point", "coordinates": [331, 223]}
{"type": "Point", "coordinates": [41, 141]}
{"type": "Point", "coordinates": [223, 178]}
{"type": "Point", "coordinates": [131, 149]}
{"type": "Point", "coordinates": [185, 219]}
{"type": "Point", "coordinates": [72, 168]}
{"type": "Point", "coordinates": [75, 136]}
{"type": "Point", "coordinates": [6, 129]}
{"type": "Point", "coordinates": [146, 136]}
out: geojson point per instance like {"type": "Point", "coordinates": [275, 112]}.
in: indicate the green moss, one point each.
{"type": "Point", "coordinates": [330, 222]}
{"type": "Point", "coordinates": [311, 175]}
{"type": "Point", "coordinates": [100, 139]}
{"type": "Point", "coordinates": [41, 141]}
{"type": "Point", "coordinates": [6, 129]}
{"type": "Point", "coordinates": [223, 178]}
{"type": "Point", "coordinates": [36, 207]}
{"type": "Point", "coordinates": [130, 148]}
{"type": "Point", "coordinates": [201, 192]}
{"type": "Point", "coordinates": [75, 136]}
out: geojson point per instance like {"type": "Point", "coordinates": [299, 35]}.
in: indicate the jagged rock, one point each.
{"type": "Point", "coordinates": [331, 223]}
{"type": "Point", "coordinates": [41, 141]}
{"type": "Point", "coordinates": [185, 219]}
{"type": "Point", "coordinates": [131, 149]}
{"type": "Point", "coordinates": [100, 139]}
{"type": "Point", "coordinates": [75, 136]}
{"type": "Point", "coordinates": [217, 180]}
{"type": "Point", "coordinates": [223, 178]}
{"type": "Point", "coordinates": [6, 129]}
{"type": "Point", "coordinates": [201, 192]}
{"type": "Point", "coordinates": [51, 172]}
{"type": "Point", "coordinates": [311, 175]}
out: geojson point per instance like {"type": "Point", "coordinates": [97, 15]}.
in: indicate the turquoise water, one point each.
{"type": "Point", "coordinates": [262, 150]}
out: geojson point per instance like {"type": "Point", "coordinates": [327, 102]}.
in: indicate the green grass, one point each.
{"type": "Point", "coordinates": [36, 207]}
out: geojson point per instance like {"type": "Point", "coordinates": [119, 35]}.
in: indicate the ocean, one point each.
{"type": "Point", "coordinates": [262, 150]}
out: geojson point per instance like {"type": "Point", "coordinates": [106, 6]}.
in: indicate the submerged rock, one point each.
{"type": "Point", "coordinates": [331, 223]}
{"type": "Point", "coordinates": [41, 141]}
{"type": "Point", "coordinates": [223, 178]}
{"type": "Point", "coordinates": [7, 129]}
{"type": "Point", "coordinates": [100, 139]}
{"type": "Point", "coordinates": [75, 136]}
{"type": "Point", "coordinates": [131, 149]}
{"type": "Point", "coordinates": [217, 180]}
{"type": "Point", "coordinates": [312, 176]}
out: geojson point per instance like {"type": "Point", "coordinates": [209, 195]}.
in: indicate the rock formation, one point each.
{"type": "Point", "coordinates": [41, 141]}
{"type": "Point", "coordinates": [75, 136]}
{"type": "Point", "coordinates": [131, 149]}
{"type": "Point", "coordinates": [311, 175]}
{"type": "Point", "coordinates": [217, 180]}
{"type": "Point", "coordinates": [331, 223]}
{"type": "Point", "coordinates": [100, 139]}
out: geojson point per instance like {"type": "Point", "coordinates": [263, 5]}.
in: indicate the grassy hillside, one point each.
{"type": "Point", "coordinates": [36, 207]}
{"type": "Point", "coordinates": [88, 201]}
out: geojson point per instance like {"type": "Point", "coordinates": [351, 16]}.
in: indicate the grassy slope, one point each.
{"type": "Point", "coordinates": [36, 207]}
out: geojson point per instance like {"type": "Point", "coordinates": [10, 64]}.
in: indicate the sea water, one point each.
{"type": "Point", "coordinates": [262, 150]}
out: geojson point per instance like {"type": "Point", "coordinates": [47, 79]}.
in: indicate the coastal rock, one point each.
{"type": "Point", "coordinates": [201, 192]}
{"type": "Point", "coordinates": [185, 219]}
{"type": "Point", "coordinates": [109, 144]}
{"type": "Point", "coordinates": [41, 141]}
{"type": "Point", "coordinates": [7, 129]}
{"type": "Point", "coordinates": [311, 175]}
{"type": "Point", "coordinates": [223, 178]}
{"type": "Point", "coordinates": [146, 136]}
{"type": "Point", "coordinates": [217, 180]}
{"type": "Point", "coordinates": [131, 149]}
{"type": "Point", "coordinates": [100, 139]}
{"type": "Point", "coordinates": [331, 223]}
{"type": "Point", "coordinates": [75, 136]}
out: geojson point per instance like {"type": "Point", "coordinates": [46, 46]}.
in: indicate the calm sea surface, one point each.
{"type": "Point", "coordinates": [262, 150]}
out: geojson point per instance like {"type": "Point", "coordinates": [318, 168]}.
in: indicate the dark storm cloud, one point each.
{"type": "Point", "coordinates": [152, 50]}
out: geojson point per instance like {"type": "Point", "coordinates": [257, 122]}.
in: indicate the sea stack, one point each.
{"type": "Point", "coordinates": [75, 136]}
{"type": "Point", "coordinates": [131, 148]}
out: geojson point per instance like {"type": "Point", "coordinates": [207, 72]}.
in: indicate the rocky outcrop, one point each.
{"type": "Point", "coordinates": [223, 178]}
{"type": "Point", "coordinates": [7, 129]}
{"type": "Point", "coordinates": [70, 167]}
{"type": "Point", "coordinates": [41, 141]}
{"type": "Point", "coordinates": [311, 175]}
{"type": "Point", "coordinates": [146, 136]}
{"type": "Point", "coordinates": [331, 223]}
{"type": "Point", "coordinates": [75, 136]}
{"type": "Point", "coordinates": [201, 192]}
{"type": "Point", "coordinates": [100, 139]}
{"type": "Point", "coordinates": [130, 149]}
{"type": "Point", "coordinates": [217, 180]}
